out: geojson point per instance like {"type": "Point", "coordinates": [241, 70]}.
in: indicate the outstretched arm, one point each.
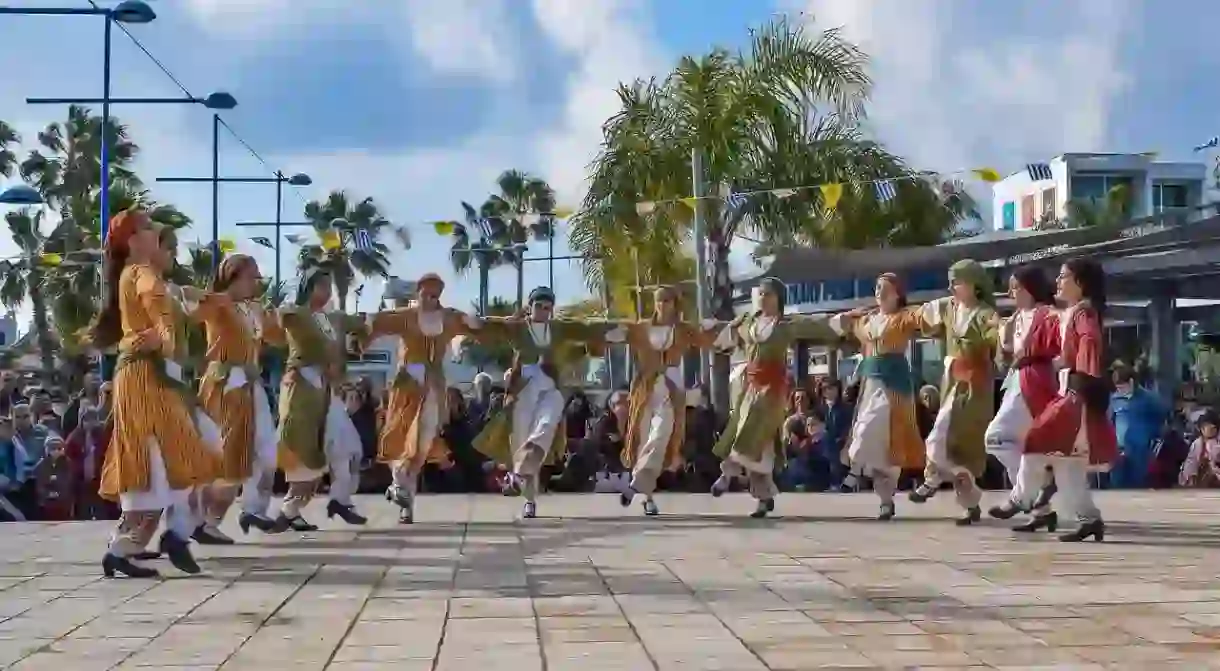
{"type": "Point", "coordinates": [710, 331]}
{"type": "Point", "coordinates": [811, 327]}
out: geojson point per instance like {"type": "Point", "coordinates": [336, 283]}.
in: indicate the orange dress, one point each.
{"type": "Point", "coordinates": [235, 335]}
{"type": "Point", "coordinates": [151, 407]}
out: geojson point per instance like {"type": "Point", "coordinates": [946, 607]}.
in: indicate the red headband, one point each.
{"type": "Point", "coordinates": [123, 226]}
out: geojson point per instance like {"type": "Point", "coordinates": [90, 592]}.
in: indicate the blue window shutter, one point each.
{"type": "Point", "coordinates": [1010, 216]}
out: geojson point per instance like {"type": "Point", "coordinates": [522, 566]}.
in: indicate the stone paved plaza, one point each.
{"type": "Point", "coordinates": [591, 587]}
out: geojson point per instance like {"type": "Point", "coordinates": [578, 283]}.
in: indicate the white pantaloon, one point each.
{"type": "Point", "coordinates": [1074, 498]}
{"type": "Point", "coordinates": [869, 449]}
{"type": "Point", "coordinates": [537, 413]}
{"type": "Point", "coordinates": [655, 430]}
{"type": "Point", "coordinates": [256, 490]}
{"type": "Point", "coordinates": [1005, 437]}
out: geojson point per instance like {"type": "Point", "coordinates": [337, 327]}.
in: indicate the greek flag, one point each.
{"type": "Point", "coordinates": [1210, 144]}
{"type": "Point", "coordinates": [735, 200]}
{"type": "Point", "coordinates": [1039, 172]}
{"type": "Point", "coordinates": [484, 227]}
{"type": "Point", "coordinates": [886, 191]}
{"type": "Point", "coordinates": [266, 242]}
{"type": "Point", "coordinates": [363, 241]}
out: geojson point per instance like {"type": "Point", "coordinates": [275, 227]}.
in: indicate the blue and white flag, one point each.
{"type": "Point", "coordinates": [1210, 144]}
{"type": "Point", "coordinates": [1039, 172]}
{"type": "Point", "coordinates": [886, 191]}
{"type": "Point", "coordinates": [484, 227]}
{"type": "Point", "coordinates": [266, 242]}
{"type": "Point", "coordinates": [363, 241]}
{"type": "Point", "coordinates": [735, 200]}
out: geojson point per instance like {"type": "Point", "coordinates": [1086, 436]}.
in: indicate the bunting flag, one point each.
{"type": "Point", "coordinates": [226, 246]}
{"type": "Point", "coordinates": [646, 208]}
{"type": "Point", "coordinates": [735, 200]}
{"type": "Point", "coordinates": [1212, 143]}
{"type": "Point", "coordinates": [831, 193]}
{"type": "Point", "coordinates": [363, 240]}
{"type": "Point", "coordinates": [563, 212]}
{"type": "Point", "coordinates": [692, 202]}
{"type": "Point", "coordinates": [295, 238]}
{"type": "Point", "coordinates": [331, 240]}
{"type": "Point", "coordinates": [886, 191]}
{"type": "Point", "coordinates": [444, 227]}
{"type": "Point", "coordinates": [404, 236]}
{"type": "Point", "coordinates": [1039, 172]}
{"type": "Point", "coordinates": [50, 259]}
{"type": "Point", "coordinates": [989, 175]}
{"type": "Point", "coordinates": [265, 242]}
{"type": "Point", "coordinates": [783, 193]}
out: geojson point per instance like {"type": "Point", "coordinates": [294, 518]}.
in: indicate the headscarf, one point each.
{"type": "Point", "coordinates": [969, 271]}
{"type": "Point", "coordinates": [429, 277]}
{"type": "Point", "coordinates": [776, 286]}
{"type": "Point", "coordinates": [543, 293]}
{"type": "Point", "coordinates": [230, 268]}
{"type": "Point", "coordinates": [122, 227]}
{"type": "Point", "coordinates": [899, 287]}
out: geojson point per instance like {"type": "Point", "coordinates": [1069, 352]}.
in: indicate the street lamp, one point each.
{"type": "Point", "coordinates": [299, 179]}
{"type": "Point", "coordinates": [219, 100]}
{"type": "Point", "coordinates": [128, 11]}
{"type": "Point", "coordinates": [21, 195]}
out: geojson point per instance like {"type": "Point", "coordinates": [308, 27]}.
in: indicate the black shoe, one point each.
{"type": "Point", "coordinates": [1048, 521]}
{"type": "Point", "coordinates": [973, 514]}
{"type": "Point", "coordinates": [650, 508]}
{"type": "Point", "coordinates": [204, 536]}
{"type": "Point", "coordinates": [346, 513]}
{"type": "Point", "coordinates": [764, 506]}
{"type": "Point", "coordinates": [1096, 529]}
{"type": "Point", "coordinates": [922, 493]}
{"type": "Point", "coordinates": [179, 552]}
{"type": "Point", "coordinates": [720, 486]}
{"type": "Point", "coordinates": [284, 523]}
{"type": "Point", "coordinates": [1004, 512]}
{"type": "Point", "coordinates": [887, 512]}
{"type": "Point", "coordinates": [626, 496]}
{"type": "Point", "coordinates": [147, 555]}
{"type": "Point", "coordinates": [247, 520]}
{"type": "Point", "coordinates": [770, 505]}
{"type": "Point", "coordinates": [529, 511]}
{"type": "Point", "coordinates": [112, 564]}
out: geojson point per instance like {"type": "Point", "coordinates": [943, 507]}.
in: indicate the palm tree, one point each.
{"type": "Point", "coordinates": [484, 355]}
{"type": "Point", "coordinates": [344, 263]}
{"type": "Point", "coordinates": [1113, 209]}
{"type": "Point", "coordinates": [26, 278]}
{"type": "Point", "coordinates": [786, 113]}
{"type": "Point", "coordinates": [9, 141]}
{"type": "Point", "coordinates": [523, 210]}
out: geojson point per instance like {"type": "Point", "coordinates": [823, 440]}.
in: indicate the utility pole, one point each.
{"type": "Point", "coordinates": [700, 234]}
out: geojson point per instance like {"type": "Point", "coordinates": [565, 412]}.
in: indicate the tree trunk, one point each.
{"type": "Point", "coordinates": [521, 284]}
{"type": "Point", "coordinates": [42, 327]}
{"type": "Point", "coordinates": [721, 309]}
{"type": "Point", "coordinates": [483, 272]}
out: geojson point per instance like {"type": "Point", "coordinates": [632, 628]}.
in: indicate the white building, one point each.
{"type": "Point", "coordinates": [8, 330]}
{"type": "Point", "coordinates": [1018, 202]}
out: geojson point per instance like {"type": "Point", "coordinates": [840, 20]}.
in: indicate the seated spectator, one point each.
{"type": "Point", "coordinates": [608, 432]}
{"type": "Point", "coordinates": [12, 467]}
{"type": "Point", "coordinates": [1202, 466]}
{"type": "Point", "coordinates": [86, 450]}
{"type": "Point", "coordinates": [54, 483]}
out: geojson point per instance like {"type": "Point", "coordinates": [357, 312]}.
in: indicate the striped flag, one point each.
{"type": "Point", "coordinates": [266, 242]}
{"type": "Point", "coordinates": [363, 240]}
{"type": "Point", "coordinates": [1210, 144]}
{"type": "Point", "coordinates": [1039, 172]}
{"type": "Point", "coordinates": [735, 200]}
{"type": "Point", "coordinates": [886, 191]}
{"type": "Point", "coordinates": [484, 227]}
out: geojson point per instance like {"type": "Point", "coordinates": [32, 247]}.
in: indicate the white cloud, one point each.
{"type": "Point", "coordinates": [464, 37]}
{"type": "Point", "coordinates": [948, 97]}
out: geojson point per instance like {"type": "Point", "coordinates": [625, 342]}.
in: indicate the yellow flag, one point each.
{"type": "Point", "coordinates": [831, 193]}
{"type": "Point", "coordinates": [444, 227]}
{"type": "Point", "coordinates": [331, 240]}
{"type": "Point", "coordinates": [564, 212]}
{"type": "Point", "coordinates": [51, 259]}
{"type": "Point", "coordinates": [690, 202]}
{"type": "Point", "coordinates": [989, 175]}
{"type": "Point", "coordinates": [226, 246]}
{"type": "Point", "coordinates": [645, 208]}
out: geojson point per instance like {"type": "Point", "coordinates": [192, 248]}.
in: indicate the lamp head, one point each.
{"type": "Point", "coordinates": [300, 179]}
{"type": "Point", "coordinates": [133, 11]}
{"type": "Point", "coordinates": [20, 194]}
{"type": "Point", "coordinates": [220, 101]}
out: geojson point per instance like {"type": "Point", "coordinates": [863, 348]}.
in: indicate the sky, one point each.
{"type": "Point", "coordinates": [422, 103]}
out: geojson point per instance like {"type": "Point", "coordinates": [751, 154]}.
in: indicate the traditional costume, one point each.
{"type": "Point", "coordinates": [315, 430]}
{"type": "Point", "coordinates": [1073, 433]}
{"type": "Point", "coordinates": [656, 420]}
{"type": "Point", "coordinates": [1030, 339]}
{"type": "Point", "coordinates": [955, 449]}
{"type": "Point", "coordinates": [884, 436]}
{"type": "Point", "coordinates": [417, 404]}
{"type": "Point", "coordinates": [527, 432]}
{"type": "Point", "coordinates": [156, 454]}
{"type": "Point", "coordinates": [750, 445]}
{"type": "Point", "coordinates": [232, 392]}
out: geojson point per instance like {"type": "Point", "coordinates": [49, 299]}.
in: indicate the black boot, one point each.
{"type": "Point", "coordinates": [112, 564]}
{"type": "Point", "coordinates": [764, 506]}
{"type": "Point", "coordinates": [346, 513]}
{"type": "Point", "coordinates": [626, 496]}
{"type": "Point", "coordinates": [146, 555]}
{"type": "Point", "coordinates": [1095, 528]}
{"type": "Point", "coordinates": [973, 514]}
{"type": "Point", "coordinates": [887, 512]}
{"type": "Point", "coordinates": [284, 523]}
{"type": "Point", "coordinates": [1048, 521]}
{"type": "Point", "coordinates": [247, 520]}
{"type": "Point", "coordinates": [1004, 512]}
{"type": "Point", "coordinates": [179, 552]}
{"type": "Point", "coordinates": [204, 536]}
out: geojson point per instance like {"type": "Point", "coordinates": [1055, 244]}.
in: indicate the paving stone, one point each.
{"type": "Point", "coordinates": [588, 587]}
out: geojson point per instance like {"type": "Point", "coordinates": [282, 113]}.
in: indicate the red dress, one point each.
{"type": "Point", "coordinates": [1055, 429]}
{"type": "Point", "coordinates": [1036, 361]}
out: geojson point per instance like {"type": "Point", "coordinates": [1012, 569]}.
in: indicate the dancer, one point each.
{"type": "Point", "coordinates": [527, 432]}
{"type": "Point", "coordinates": [236, 326]}
{"type": "Point", "coordinates": [417, 404]}
{"type": "Point", "coordinates": [156, 453]}
{"type": "Point", "coordinates": [315, 430]}
{"type": "Point", "coordinates": [969, 326]}
{"type": "Point", "coordinates": [1030, 343]}
{"type": "Point", "coordinates": [750, 444]}
{"type": "Point", "coordinates": [1073, 433]}
{"type": "Point", "coordinates": [656, 424]}
{"type": "Point", "coordinates": [884, 437]}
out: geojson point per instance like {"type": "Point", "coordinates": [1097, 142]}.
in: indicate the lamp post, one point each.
{"type": "Point", "coordinates": [279, 180]}
{"type": "Point", "coordinates": [128, 11]}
